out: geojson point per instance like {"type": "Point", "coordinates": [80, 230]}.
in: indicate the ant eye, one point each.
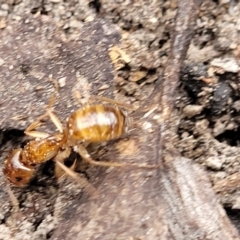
{"type": "Point", "coordinates": [18, 179]}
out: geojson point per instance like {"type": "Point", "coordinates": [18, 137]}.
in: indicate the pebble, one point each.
{"type": "Point", "coordinates": [227, 64]}
{"type": "Point", "coordinates": [214, 163]}
{"type": "Point", "coordinates": [192, 110]}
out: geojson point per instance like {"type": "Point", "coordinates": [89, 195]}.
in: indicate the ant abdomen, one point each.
{"type": "Point", "coordinates": [96, 123]}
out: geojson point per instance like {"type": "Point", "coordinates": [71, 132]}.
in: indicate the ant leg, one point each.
{"type": "Point", "coordinates": [55, 85]}
{"type": "Point", "coordinates": [85, 155]}
{"type": "Point", "coordinates": [13, 198]}
{"type": "Point", "coordinates": [82, 181]}
{"type": "Point", "coordinates": [36, 134]}
{"type": "Point", "coordinates": [113, 101]}
{"type": "Point", "coordinates": [50, 113]}
{"type": "Point", "coordinates": [59, 172]}
{"type": "Point", "coordinates": [29, 131]}
{"type": "Point", "coordinates": [82, 151]}
{"type": "Point", "coordinates": [55, 120]}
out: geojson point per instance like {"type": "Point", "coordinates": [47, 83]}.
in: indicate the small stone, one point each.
{"type": "Point", "coordinates": [185, 135]}
{"type": "Point", "coordinates": [152, 78]}
{"type": "Point", "coordinates": [62, 82]}
{"type": "Point", "coordinates": [201, 126]}
{"type": "Point", "coordinates": [138, 75]}
{"type": "Point", "coordinates": [214, 163]}
{"type": "Point", "coordinates": [219, 127]}
{"type": "Point", "coordinates": [5, 7]}
{"type": "Point", "coordinates": [236, 105]}
{"type": "Point", "coordinates": [236, 203]}
{"type": "Point", "coordinates": [130, 88]}
{"type": "Point", "coordinates": [103, 87]}
{"type": "Point", "coordinates": [224, 2]}
{"type": "Point", "coordinates": [192, 110]}
{"type": "Point", "coordinates": [1, 61]}
{"type": "Point", "coordinates": [227, 64]}
{"type": "Point", "coordinates": [3, 13]}
{"type": "Point", "coordinates": [3, 23]}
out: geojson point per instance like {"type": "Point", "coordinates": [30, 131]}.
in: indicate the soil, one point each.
{"type": "Point", "coordinates": [77, 49]}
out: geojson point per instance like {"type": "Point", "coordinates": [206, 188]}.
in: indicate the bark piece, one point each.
{"type": "Point", "coordinates": [173, 202]}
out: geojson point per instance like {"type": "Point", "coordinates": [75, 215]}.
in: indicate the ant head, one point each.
{"type": "Point", "coordinates": [17, 173]}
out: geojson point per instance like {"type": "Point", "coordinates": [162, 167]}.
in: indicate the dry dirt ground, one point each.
{"type": "Point", "coordinates": [73, 43]}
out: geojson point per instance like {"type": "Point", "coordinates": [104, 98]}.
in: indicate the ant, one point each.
{"type": "Point", "coordinates": [90, 124]}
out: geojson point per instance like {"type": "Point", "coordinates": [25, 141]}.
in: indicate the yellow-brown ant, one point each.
{"type": "Point", "coordinates": [91, 123]}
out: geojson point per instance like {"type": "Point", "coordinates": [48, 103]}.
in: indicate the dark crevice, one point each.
{"type": "Point", "coordinates": [13, 135]}
{"type": "Point", "coordinates": [234, 216]}
{"type": "Point", "coordinates": [95, 4]}
{"type": "Point", "coordinates": [231, 137]}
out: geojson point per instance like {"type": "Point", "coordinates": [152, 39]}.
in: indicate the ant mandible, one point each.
{"type": "Point", "coordinates": [91, 123]}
